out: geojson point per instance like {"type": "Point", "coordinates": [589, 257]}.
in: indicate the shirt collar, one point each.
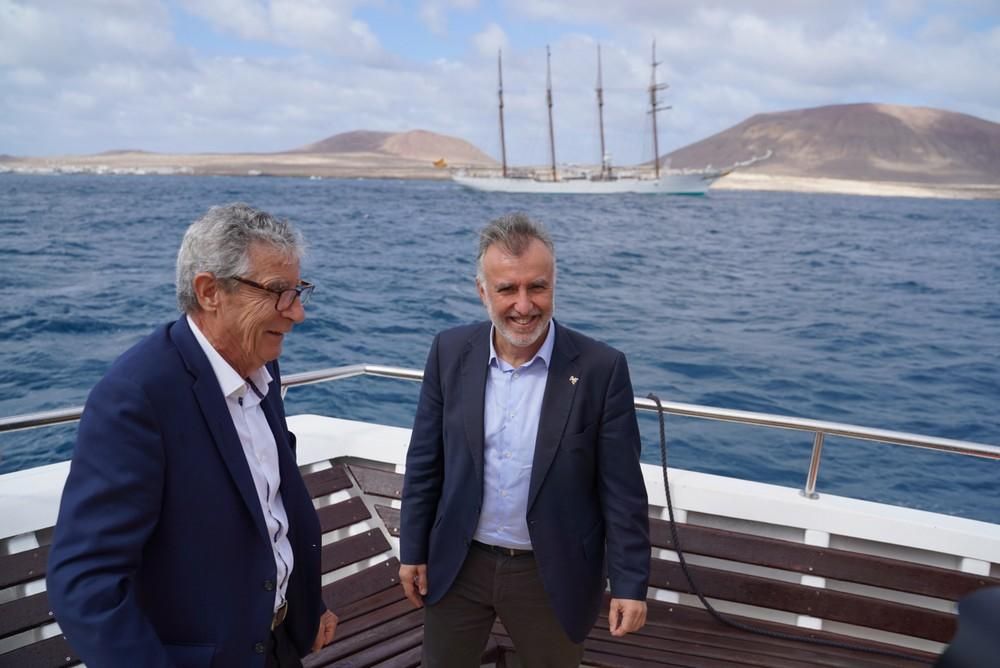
{"type": "Point", "coordinates": [544, 353]}
{"type": "Point", "coordinates": [230, 381]}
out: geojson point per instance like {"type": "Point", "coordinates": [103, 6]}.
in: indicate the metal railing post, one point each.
{"type": "Point", "coordinates": [810, 489]}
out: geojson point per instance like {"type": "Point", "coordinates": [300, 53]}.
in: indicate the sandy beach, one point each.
{"type": "Point", "coordinates": [749, 181]}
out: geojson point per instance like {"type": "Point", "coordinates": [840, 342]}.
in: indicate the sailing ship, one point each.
{"type": "Point", "coordinates": [606, 181]}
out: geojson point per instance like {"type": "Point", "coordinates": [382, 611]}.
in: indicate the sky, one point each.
{"type": "Point", "coordinates": [191, 76]}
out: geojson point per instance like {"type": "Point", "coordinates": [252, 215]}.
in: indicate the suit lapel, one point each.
{"type": "Point", "coordinates": [475, 359]}
{"type": "Point", "coordinates": [220, 424]}
{"type": "Point", "coordinates": [556, 404]}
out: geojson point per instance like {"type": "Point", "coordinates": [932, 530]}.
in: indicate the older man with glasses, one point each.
{"type": "Point", "coordinates": [186, 536]}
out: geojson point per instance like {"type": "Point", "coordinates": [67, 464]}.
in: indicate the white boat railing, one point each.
{"type": "Point", "coordinates": [819, 428]}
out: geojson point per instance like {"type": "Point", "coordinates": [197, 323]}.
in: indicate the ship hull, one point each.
{"type": "Point", "coordinates": [694, 183]}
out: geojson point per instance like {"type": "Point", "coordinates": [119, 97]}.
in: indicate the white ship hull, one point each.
{"type": "Point", "coordinates": [679, 183]}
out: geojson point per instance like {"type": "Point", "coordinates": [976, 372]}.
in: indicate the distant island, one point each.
{"type": "Point", "coordinates": [872, 149]}
{"type": "Point", "coordinates": [859, 148]}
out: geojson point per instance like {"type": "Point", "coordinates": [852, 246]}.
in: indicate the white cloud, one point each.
{"type": "Point", "coordinates": [321, 25]}
{"type": "Point", "coordinates": [434, 13]}
{"type": "Point", "coordinates": [490, 40]}
{"type": "Point", "coordinates": [246, 18]}
{"type": "Point", "coordinates": [72, 36]}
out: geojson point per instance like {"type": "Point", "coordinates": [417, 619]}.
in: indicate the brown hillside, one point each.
{"type": "Point", "coordinates": [357, 141]}
{"type": "Point", "coordinates": [871, 142]}
{"type": "Point", "coordinates": [419, 145]}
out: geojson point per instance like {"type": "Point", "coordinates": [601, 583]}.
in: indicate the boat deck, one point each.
{"type": "Point", "coordinates": [785, 585]}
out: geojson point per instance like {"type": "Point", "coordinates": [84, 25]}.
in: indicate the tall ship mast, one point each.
{"type": "Point", "coordinates": [548, 101]}
{"type": "Point", "coordinates": [653, 87]}
{"type": "Point", "coordinates": [503, 143]}
{"type": "Point", "coordinates": [605, 166]}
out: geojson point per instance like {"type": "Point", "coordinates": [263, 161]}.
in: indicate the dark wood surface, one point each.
{"type": "Point", "coordinates": [378, 482]}
{"type": "Point", "coordinates": [800, 599]}
{"type": "Point", "coordinates": [825, 562]}
{"type": "Point", "coordinates": [22, 567]}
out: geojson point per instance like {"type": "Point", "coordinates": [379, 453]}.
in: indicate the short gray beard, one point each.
{"type": "Point", "coordinates": [519, 341]}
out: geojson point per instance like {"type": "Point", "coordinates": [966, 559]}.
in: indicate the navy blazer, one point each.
{"type": "Point", "coordinates": [586, 499]}
{"type": "Point", "coordinates": [160, 555]}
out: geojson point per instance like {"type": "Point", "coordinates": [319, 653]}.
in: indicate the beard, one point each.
{"type": "Point", "coordinates": [520, 339]}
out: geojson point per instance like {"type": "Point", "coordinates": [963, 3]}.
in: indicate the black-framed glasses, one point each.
{"type": "Point", "coordinates": [303, 291]}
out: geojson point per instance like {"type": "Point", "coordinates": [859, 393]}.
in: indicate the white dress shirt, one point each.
{"type": "Point", "coordinates": [260, 451]}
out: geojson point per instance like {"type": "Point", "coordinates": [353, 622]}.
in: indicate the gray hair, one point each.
{"type": "Point", "coordinates": [219, 243]}
{"type": "Point", "coordinates": [514, 232]}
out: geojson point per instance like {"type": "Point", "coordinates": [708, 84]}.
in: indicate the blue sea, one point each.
{"type": "Point", "coordinates": [882, 312]}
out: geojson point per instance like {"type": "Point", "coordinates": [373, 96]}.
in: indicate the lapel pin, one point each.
{"type": "Point", "coordinates": [573, 379]}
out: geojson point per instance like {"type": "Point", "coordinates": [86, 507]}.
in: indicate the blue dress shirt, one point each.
{"type": "Point", "coordinates": [512, 410]}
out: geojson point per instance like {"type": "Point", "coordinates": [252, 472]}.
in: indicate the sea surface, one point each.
{"type": "Point", "coordinates": [882, 312]}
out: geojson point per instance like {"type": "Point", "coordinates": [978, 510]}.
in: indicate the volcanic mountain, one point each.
{"type": "Point", "coordinates": [413, 145]}
{"type": "Point", "coordinates": [870, 142]}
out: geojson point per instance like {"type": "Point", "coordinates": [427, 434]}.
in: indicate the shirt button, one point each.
{"type": "Point", "coordinates": [516, 374]}
{"type": "Point", "coordinates": [268, 585]}
{"type": "Point", "coordinates": [507, 454]}
{"type": "Point", "coordinates": [259, 648]}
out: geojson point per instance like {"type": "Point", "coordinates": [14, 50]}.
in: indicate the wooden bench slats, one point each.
{"type": "Point", "coordinates": [687, 644]}
{"type": "Point", "coordinates": [592, 658]}
{"type": "Point", "coordinates": [22, 567]}
{"type": "Point", "coordinates": [390, 517]}
{"type": "Point", "coordinates": [408, 659]}
{"type": "Point", "coordinates": [24, 613]}
{"type": "Point", "coordinates": [54, 652]}
{"type": "Point", "coordinates": [686, 619]}
{"type": "Point", "coordinates": [380, 649]}
{"type": "Point", "coordinates": [377, 617]}
{"type": "Point", "coordinates": [676, 653]}
{"type": "Point", "coordinates": [380, 599]}
{"type": "Point", "coordinates": [370, 633]}
{"type": "Point", "coordinates": [800, 599]}
{"type": "Point", "coordinates": [777, 653]}
{"type": "Point", "coordinates": [378, 482]}
{"type": "Point", "coordinates": [339, 515]}
{"type": "Point", "coordinates": [774, 651]}
{"type": "Point", "coordinates": [825, 562]}
{"type": "Point", "coordinates": [327, 481]}
{"type": "Point", "coordinates": [353, 549]}
{"type": "Point", "coordinates": [364, 583]}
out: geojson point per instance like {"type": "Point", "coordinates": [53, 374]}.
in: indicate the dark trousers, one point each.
{"type": "Point", "coordinates": [280, 652]}
{"type": "Point", "coordinates": [491, 585]}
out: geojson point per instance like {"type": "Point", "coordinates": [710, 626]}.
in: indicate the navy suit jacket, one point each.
{"type": "Point", "coordinates": [160, 555]}
{"type": "Point", "coordinates": [586, 499]}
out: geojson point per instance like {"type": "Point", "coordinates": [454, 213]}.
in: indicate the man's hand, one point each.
{"type": "Point", "coordinates": [413, 577]}
{"type": "Point", "coordinates": [626, 616]}
{"type": "Point", "coordinates": [327, 627]}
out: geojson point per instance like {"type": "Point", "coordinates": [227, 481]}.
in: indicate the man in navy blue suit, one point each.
{"type": "Point", "coordinates": [186, 536]}
{"type": "Point", "coordinates": [523, 490]}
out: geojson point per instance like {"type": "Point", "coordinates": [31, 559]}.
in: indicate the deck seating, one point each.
{"type": "Point", "coordinates": [358, 501]}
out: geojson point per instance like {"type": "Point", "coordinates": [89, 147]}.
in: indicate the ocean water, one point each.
{"type": "Point", "coordinates": [883, 312]}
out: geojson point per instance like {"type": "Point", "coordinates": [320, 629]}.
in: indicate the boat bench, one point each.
{"type": "Point", "coordinates": [358, 506]}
